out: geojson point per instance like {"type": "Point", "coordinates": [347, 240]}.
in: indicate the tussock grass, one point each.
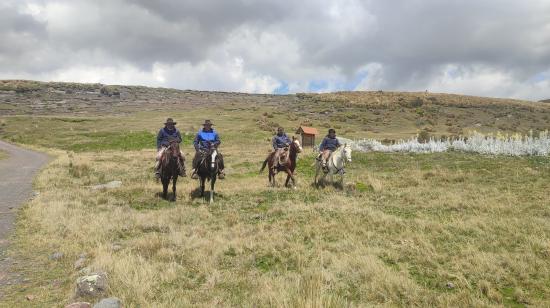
{"type": "Point", "coordinates": [406, 226]}
{"type": "Point", "coordinates": [403, 227]}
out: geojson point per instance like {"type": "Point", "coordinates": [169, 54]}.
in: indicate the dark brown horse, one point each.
{"type": "Point", "coordinates": [169, 168]}
{"type": "Point", "coordinates": [208, 170]}
{"type": "Point", "coordinates": [288, 164]}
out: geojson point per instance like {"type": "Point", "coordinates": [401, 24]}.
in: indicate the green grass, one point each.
{"type": "Point", "coordinates": [3, 155]}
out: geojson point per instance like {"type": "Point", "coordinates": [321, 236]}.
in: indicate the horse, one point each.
{"type": "Point", "coordinates": [208, 170]}
{"type": "Point", "coordinates": [335, 164]}
{"type": "Point", "coordinates": [288, 165]}
{"type": "Point", "coordinates": [169, 168]}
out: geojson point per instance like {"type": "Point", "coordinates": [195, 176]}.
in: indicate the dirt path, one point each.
{"type": "Point", "coordinates": [16, 175]}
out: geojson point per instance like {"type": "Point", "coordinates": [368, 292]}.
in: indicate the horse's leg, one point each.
{"type": "Point", "coordinates": [212, 182]}
{"type": "Point", "coordinates": [272, 179]}
{"type": "Point", "coordinates": [174, 180]}
{"type": "Point", "coordinates": [290, 176]}
{"type": "Point", "coordinates": [287, 179]}
{"type": "Point", "coordinates": [269, 175]}
{"type": "Point", "coordinates": [317, 179]}
{"type": "Point", "coordinates": [164, 188]}
{"type": "Point", "coordinates": [203, 179]}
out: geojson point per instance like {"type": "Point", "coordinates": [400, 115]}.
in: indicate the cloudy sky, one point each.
{"type": "Point", "coordinates": [479, 47]}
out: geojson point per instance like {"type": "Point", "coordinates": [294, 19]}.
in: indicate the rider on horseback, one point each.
{"type": "Point", "coordinates": [280, 144]}
{"type": "Point", "coordinates": [206, 138]}
{"type": "Point", "coordinates": [167, 133]}
{"type": "Point", "coordinates": [330, 144]}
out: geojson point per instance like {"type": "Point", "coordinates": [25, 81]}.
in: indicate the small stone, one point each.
{"type": "Point", "coordinates": [116, 247]}
{"type": "Point", "coordinates": [80, 263]}
{"type": "Point", "coordinates": [56, 283]}
{"type": "Point", "coordinates": [56, 256]}
{"type": "Point", "coordinates": [29, 297]}
{"type": "Point", "coordinates": [111, 302]}
{"type": "Point", "coordinates": [79, 305]}
{"type": "Point", "coordinates": [112, 184]}
{"type": "Point", "coordinates": [450, 285]}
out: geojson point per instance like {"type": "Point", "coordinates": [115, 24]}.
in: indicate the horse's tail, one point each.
{"type": "Point", "coordinates": [263, 165]}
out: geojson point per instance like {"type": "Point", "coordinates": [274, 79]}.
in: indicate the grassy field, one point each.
{"type": "Point", "coordinates": [449, 229]}
{"type": "Point", "coordinates": [3, 155]}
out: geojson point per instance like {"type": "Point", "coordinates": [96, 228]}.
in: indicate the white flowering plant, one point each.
{"type": "Point", "coordinates": [516, 145]}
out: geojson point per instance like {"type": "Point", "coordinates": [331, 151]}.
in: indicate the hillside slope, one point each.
{"type": "Point", "coordinates": [383, 115]}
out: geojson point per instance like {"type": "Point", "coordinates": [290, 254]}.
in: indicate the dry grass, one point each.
{"type": "Point", "coordinates": [403, 227]}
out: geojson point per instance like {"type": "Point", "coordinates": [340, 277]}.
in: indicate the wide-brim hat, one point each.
{"type": "Point", "coordinates": [170, 121]}
{"type": "Point", "coordinates": [207, 122]}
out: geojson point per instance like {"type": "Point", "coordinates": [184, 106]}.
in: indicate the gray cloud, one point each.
{"type": "Point", "coordinates": [486, 47]}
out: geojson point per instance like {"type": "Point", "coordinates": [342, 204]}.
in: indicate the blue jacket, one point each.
{"type": "Point", "coordinates": [279, 142]}
{"type": "Point", "coordinates": [329, 144]}
{"type": "Point", "coordinates": [203, 139]}
{"type": "Point", "coordinates": [164, 135]}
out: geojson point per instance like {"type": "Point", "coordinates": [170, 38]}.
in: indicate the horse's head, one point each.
{"type": "Point", "coordinates": [347, 152]}
{"type": "Point", "coordinates": [174, 148]}
{"type": "Point", "coordinates": [296, 145]}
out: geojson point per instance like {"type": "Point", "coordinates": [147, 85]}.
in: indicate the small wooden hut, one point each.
{"type": "Point", "coordinates": [307, 135]}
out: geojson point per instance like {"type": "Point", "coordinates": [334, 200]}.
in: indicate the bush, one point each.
{"type": "Point", "coordinates": [423, 136]}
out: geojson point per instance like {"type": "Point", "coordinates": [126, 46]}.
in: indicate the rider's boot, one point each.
{"type": "Point", "coordinates": [194, 175]}
{"type": "Point", "coordinates": [221, 175]}
{"type": "Point", "coordinates": [324, 165]}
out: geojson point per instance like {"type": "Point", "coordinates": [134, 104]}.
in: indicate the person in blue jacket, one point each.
{"type": "Point", "coordinates": [206, 138]}
{"type": "Point", "coordinates": [330, 144]}
{"type": "Point", "coordinates": [165, 134]}
{"type": "Point", "coordinates": [280, 143]}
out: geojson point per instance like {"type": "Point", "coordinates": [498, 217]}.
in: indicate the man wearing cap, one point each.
{"type": "Point", "coordinates": [330, 144]}
{"type": "Point", "coordinates": [280, 143]}
{"type": "Point", "coordinates": [205, 138]}
{"type": "Point", "coordinates": [167, 133]}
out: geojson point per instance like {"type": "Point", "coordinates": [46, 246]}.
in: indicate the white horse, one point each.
{"type": "Point", "coordinates": [335, 164]}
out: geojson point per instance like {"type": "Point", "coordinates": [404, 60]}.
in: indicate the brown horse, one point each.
{"type": "Point", "coordinates": [287, 165]}
{"type": "Point", "coordinates": [169, 168]}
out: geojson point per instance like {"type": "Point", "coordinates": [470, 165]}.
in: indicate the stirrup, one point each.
{"type": "Point", "coordinates": [221, 175]}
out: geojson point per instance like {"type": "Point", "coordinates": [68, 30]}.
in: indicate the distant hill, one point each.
{"type": "Point", "coordinates": [379, 113]}
{"type": "Point", "coordinates": [545, 101]}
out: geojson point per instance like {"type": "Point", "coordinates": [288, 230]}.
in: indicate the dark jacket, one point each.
{"type": "Point", "coordinates": [329, 144]}
{"type": "Point", "coordinates": [204, 139]}
{"type": "Point", "coordinates": [279, 142]}
{"type": "Point", "coordinates": [164, 136]}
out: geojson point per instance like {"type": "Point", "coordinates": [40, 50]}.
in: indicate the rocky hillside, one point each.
{"type": "Point", "coordinates": [384, 114]}
{"type": "Point", "coordinates": [42, 98]}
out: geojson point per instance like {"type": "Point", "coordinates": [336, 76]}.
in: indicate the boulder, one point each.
{"type": "Point", "coordinates": [111, 302]}
{"type": "Point", "coordinates": [94, 285]}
